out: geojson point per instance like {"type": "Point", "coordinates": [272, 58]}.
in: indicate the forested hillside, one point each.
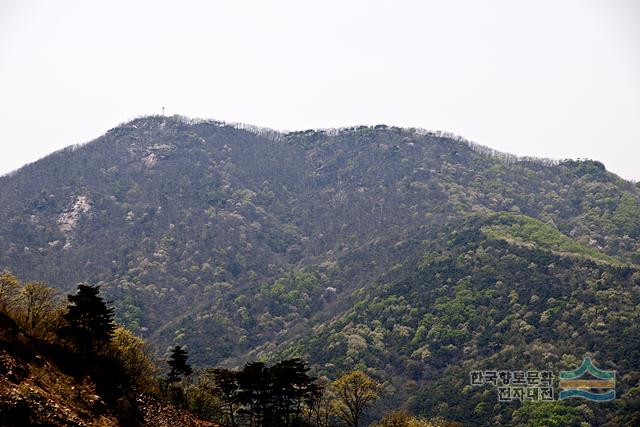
{"type": "Point", "coordinates": [415, 256]}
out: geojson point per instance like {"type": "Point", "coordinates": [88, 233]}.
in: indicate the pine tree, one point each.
{"type": "Point", "coordinates": [291, 387]}
{"type": "Point", "coordinates": [178, 364]}
{"type": "Point", "coordinates": [224, 384]}
{"type": "Point", "coordinates": [88, 320]}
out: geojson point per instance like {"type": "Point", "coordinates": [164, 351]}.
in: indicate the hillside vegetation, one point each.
{"type": "Point", "coordinates": [411, 255]}
{"type": "Point", "coordinates": [526, 231]}
{"type": "Point", "coordinates": [58, 368]}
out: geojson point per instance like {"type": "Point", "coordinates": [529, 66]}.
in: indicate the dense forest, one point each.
{"type": "Point", "coordinates": [73, 365]}
{"type": "Point", "coordinates": [410, 256]}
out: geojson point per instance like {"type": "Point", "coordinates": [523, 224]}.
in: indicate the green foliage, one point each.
{"type": "Point", "coordinates": [32, 305]}
{"type": "Point", "coordinates": [36, 303]}
{"type": "Point", "coordinates": [199, 400]}
{"type": "Point", "coordinates": [475, 302]}
{"type": "Point", "coordinates": [297, 289]}
{"type": "Point", "coordinates": [628, 409]}
{"type": "Point", "coordinates": [627, 215]}
{"type": "Point", "coordinates": [523, 230]}
{"type": "Point", "coordinates": [177, 219]}
{"type": "Point", "coordinates": [414, 255]}
{"type": "Point", "coordinates": [261, 395]}
{"type": "Point", "coordinates": [113, 367]}
{"type": "Point", "coordinates": [9, 288]}
{"type": "Point", "coordinates": [405, 419]}
{"type": "Point", "coordinates": [134, 356]}
{"type": "Point", "coordinates": [354, 391]}
{"type": "Point", "coordinates": [548, 414]}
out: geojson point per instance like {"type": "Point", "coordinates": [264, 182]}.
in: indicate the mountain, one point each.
{"type": "Point", "coordinates": [419, 256]}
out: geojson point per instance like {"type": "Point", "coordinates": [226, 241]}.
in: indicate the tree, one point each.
{"type": "Point", "coordinates": [202, 401]}
{"type": "Point", "coordinates": [88, 320]}
{"type": "Point", "coordinates": [395, 419]}
{"type": "Point", "coordinates": [266, 396]}
{"type": "Point", "coordinates": [319, 404]}
{"type": "Point", "coordinates": [255, 391]}
{"type": "Point", "coordinates": [403, 418]}
{"type": "Point", "coordinates": [548, 414]}
{"type": "Point", "coordinates": [133, 355]}
{"type": "Point", "coordinates": [178, 364]}
{"type": "Point", "coordinates": [628, 413]}
{"type": "Point", "coordinates": [354, 390]}
{"type": "Point", "coordinates": [224, 384]}
{"type": "Point", "coordinates": [36, 299]}
{"type": "Point", "coordinates": [8, 290]}
{"type": "Point", "coordinates": [291, 388]}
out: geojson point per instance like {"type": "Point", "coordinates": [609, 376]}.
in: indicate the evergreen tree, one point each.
{"type": "Point", "coordinates": [255, 391]}
{"type": "Point", "coordinates": [291, 387]}
{"type": "Point", "coordinates": [178, 364]}
{"type": "Point", "coordinates": [224, 384]}
{"type": "Point", "coordinates": [88, 320]}
{"type": "Point", "coordinates": [276, 395]}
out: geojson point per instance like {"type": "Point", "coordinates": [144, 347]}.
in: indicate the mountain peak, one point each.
{"type": "Point", "coordinates": [369, 245]}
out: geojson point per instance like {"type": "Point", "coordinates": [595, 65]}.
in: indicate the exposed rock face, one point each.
{"type": "Point", "coordinates": [68, 220]}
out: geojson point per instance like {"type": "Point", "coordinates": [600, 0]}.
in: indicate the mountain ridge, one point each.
{"type": "Point", "coordinates": [239, 244]}
{"type": "Point", "coordinates": [278, 135]}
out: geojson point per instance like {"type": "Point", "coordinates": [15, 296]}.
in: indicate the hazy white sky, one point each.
{"type": "Point", "coordinates": [552, 78]}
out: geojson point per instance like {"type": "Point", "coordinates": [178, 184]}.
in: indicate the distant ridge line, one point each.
{"type": "Point", "coordinates": [276, 135]}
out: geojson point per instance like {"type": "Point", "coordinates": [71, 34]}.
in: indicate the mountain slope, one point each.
{"type": "Point", "coordinates": [239, 241]}
{"type": "Point", "coordinates": [43, 383]}
{"type": "Point", "coordinates": [36, 389]}
{"type": "Point", "coordinates": [475, 302]}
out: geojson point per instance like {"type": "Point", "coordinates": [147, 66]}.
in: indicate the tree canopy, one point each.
{"type": "Point", "coordinates": [88, 320]}
{"type": "Point", "coordinates": [178, 364]}
{"type": "Point", "coordinates": [355, 391]}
